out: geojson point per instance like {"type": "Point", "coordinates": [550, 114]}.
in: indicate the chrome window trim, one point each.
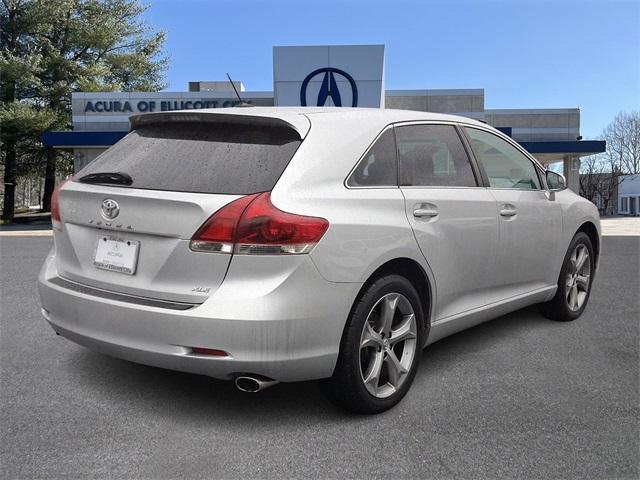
{"type": "Point", "coordinates": [474, 166]}
{"type": "Point", "coordinates": [443, 187]}
{"type": "Point", "coordinates": [461, 124]}
{"type": "Point", "coordinates": [541, 190]}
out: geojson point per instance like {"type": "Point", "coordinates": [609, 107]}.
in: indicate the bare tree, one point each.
{"type": "Point", "coordinates": [591, 168]}
{"type": "Point", "coordinates": [600, 178]}
{"type": "Point", "coordinates": [602, 174]}
{"type": "Point", "coordinates": [623, 142]}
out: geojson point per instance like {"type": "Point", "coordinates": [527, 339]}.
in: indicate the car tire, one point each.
{"type": "Point", "coordinates": [573, 293]}
{"type": "Point", "coordinates": [379, 337]}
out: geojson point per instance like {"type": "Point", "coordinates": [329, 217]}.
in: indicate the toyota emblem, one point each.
{"type": "Point", "coordinates": [110, 209]}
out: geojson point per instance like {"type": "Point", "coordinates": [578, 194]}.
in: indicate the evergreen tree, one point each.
{"type": "Point", "coordinates": [51, 48]}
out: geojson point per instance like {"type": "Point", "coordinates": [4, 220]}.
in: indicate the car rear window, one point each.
{"type": "Point", "coordinates": [200, 157]}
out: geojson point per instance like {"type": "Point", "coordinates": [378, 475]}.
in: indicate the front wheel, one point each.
{"type": "Point", "coordinates": [574, 284]}
{"type": "Point", "coordinates": [380, 349]}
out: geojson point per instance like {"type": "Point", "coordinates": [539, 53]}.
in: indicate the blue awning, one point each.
{"type": "Point", "coordinates": [92, 139]}
{"type": "Point", "coordinates": [81, 139]}
{"type": "Point", "coordinates": [578, 147]}
{"type": "Point", "coordinates": [506, 130]}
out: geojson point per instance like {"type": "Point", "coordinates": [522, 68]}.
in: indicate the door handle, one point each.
{"type": "Point", "coordinates": [508, 211]}
{"type": "Point", "coordinates": [425, 212]}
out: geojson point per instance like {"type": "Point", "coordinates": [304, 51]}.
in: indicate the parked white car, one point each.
{"type": "Point", "coordinates": [284, 244]}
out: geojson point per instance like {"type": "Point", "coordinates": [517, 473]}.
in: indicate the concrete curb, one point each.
{"type": "Point", "coordinates": [26, 233]}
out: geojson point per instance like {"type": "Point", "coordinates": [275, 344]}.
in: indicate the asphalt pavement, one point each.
{"type": "Point", "coordinates": [517, 397]}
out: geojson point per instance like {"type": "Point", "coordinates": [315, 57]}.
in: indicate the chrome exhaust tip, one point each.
{"type": "Point", "coordinates": [251, 384]}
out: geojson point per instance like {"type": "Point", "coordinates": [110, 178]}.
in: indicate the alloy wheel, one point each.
{"type": "Point", "coordinates": [578, 277]}
{"type": "Point", "coordinates": [388, 345]}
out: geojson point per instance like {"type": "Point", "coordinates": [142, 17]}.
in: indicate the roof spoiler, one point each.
{"type": "Point", "coordinates": [137, 121]}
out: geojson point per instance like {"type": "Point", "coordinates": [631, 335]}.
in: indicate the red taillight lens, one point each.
{"type": "Point", "coordinates": [263, 229]}
{"type": "Point", "coordinates": [253, 225]}
{"type": "Point", "coordinates": [56, 220]}
{"type": "Point", "coordinates": [218, 233]}
{"type": "Point", "coordinates": [214, 352]}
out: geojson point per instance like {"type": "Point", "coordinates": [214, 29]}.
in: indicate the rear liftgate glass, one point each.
{"type": "Point", "coordinates": [198, 162]}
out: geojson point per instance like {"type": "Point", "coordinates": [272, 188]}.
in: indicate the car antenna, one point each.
{"type": "Point", "coordinates": [242, 102]}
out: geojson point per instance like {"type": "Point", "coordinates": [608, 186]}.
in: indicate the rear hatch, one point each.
{"type": "Point", "coordinates": [127, 218]}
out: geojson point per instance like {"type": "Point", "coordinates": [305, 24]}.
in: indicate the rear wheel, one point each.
{"type": "Point", "coordinates": [574, 284]}
{"type": "Point", "coordinates": [380, 349]}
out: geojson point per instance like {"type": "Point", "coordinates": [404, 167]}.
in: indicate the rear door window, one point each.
{"type": "Point", "coordinates": [201, 157]}
{"type": "Point", "coordinates": [433, 156]}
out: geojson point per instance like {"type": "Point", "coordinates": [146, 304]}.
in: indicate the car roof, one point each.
{"type": "Point", "coordinates": [301, 118]}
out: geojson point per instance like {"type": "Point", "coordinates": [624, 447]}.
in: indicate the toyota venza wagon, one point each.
{"type": "Point", "coordinates": [266, 245]}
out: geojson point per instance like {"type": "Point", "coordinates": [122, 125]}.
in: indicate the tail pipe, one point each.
{"type": "Point", "coordinates": [253, 384]}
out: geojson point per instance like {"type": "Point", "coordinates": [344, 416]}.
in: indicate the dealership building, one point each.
{"type": "Point", "coordinates": [342, 76]}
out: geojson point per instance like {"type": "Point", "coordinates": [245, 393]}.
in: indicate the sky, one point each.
{"type": "Point", "coordinates": [540, 54]}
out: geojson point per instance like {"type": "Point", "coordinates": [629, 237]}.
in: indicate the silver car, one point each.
{"type": "Point", "coordinates": [283, 244]}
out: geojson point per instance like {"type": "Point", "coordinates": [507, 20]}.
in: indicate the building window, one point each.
{"type": "Point", "coordinates": [624, 205]}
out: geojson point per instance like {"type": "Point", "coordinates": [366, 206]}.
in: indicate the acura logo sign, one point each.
{"type": "Point", "coordinates": [329, 87]}
{"type": "Point", "coordinates": [110, 209]}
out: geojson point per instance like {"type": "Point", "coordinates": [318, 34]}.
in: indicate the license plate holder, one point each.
{"type": "Point", "coordinates": [116, 254]}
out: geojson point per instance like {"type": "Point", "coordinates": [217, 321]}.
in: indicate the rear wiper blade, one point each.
{"type": "Point", "coordinates": [115, 178]}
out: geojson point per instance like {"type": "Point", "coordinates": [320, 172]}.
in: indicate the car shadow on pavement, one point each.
{"type": "Point", "coordinates": [189, 397]}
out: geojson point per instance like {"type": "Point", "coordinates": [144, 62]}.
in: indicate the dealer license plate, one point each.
{"type": "Point", "coordinates": [117, 254]}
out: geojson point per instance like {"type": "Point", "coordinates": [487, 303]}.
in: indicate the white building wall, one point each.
{"type": "Point", "coordinates": [363, 63]}
{"type": "Point", "coordinates": [629, 195]}
{"type": "Point", "coordinates": [537, 124]}
{"type": "Point", "coordinates": [465, 102]}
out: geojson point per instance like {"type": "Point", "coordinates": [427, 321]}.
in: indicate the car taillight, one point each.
{"type": "Point", "coordinates": [218, 233]}
{"type": "Point", "coordinates": [253, 225]}
{"type": "Point", "coordinates": [56, 220]}
{"type": "Point", "coordinates": [214, 352]}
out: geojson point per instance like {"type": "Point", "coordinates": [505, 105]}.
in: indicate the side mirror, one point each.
{"type": "Point", "coordinates": [555, 181]}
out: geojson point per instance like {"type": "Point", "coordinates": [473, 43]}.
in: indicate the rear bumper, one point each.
{"type": "Point", "coordinates": [286, 326]}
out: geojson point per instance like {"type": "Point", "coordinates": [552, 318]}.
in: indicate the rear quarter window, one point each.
{"type": "Point", "coordinates": [201, 157]}
{"type": "Point", "coordinates": [378, 168]}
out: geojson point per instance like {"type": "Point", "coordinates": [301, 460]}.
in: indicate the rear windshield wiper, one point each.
{"type": "Point", "coordinates": [115, 178]}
